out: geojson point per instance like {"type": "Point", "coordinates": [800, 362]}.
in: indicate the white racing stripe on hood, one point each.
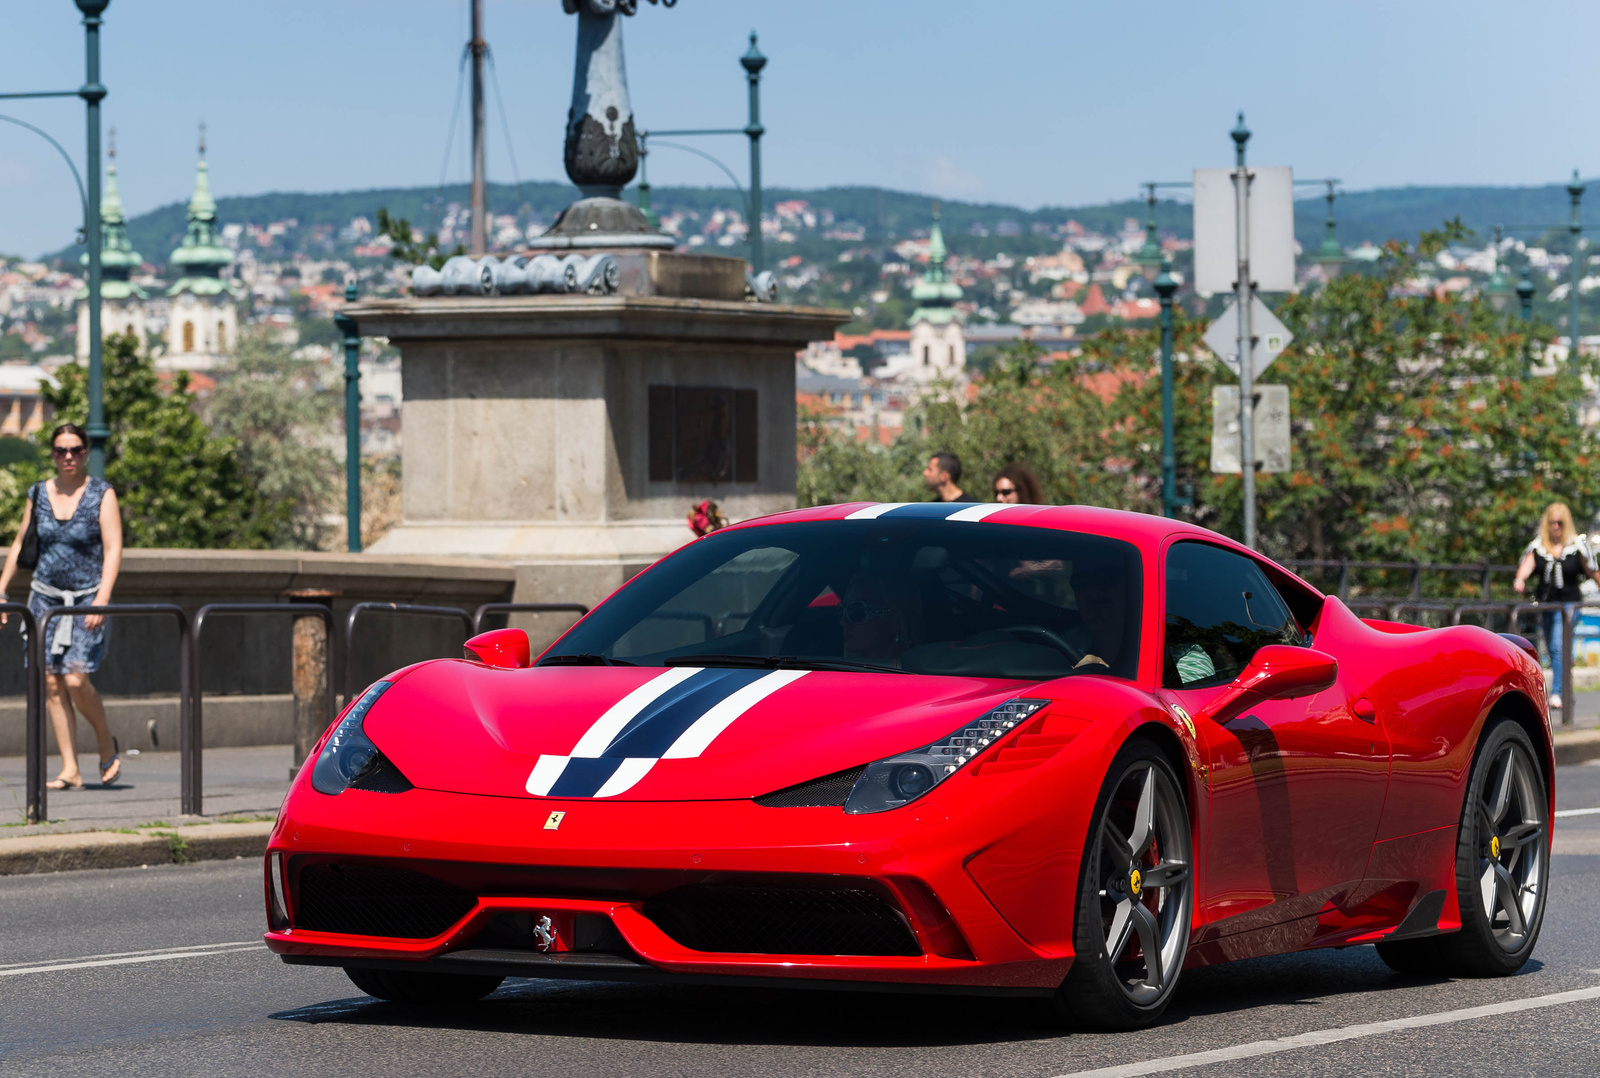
{"type": "Point", "coordinates": [607, 726]}
{"type": "Point", "coordinates": [694, 740]}
{"type": "Point", "coordinates": [632, 770]}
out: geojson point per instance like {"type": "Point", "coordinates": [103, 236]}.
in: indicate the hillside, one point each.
{"type": "Point", "coordinates": [1376, 215]}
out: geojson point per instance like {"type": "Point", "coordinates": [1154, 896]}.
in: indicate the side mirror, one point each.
{"type": "Point", "coordinates": [505, 648]}
{"type": "Point", "coordinates": [1278, 672]}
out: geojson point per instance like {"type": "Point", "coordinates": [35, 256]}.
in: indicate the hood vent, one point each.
{"type": "Point", "coordinates": [830, 791]}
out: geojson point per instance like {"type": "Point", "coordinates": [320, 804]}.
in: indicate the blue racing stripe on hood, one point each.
{"type": "Point", "coordinates": [655, 728]}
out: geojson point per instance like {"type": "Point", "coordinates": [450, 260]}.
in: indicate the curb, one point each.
{"type": "Point", "coordinates": [130, 849]}
{"type": "Point", "coordinates": [1577, 747]}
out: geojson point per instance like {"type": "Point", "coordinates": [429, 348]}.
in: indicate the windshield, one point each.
{"type": "Point", "coordinates": [919, 596]}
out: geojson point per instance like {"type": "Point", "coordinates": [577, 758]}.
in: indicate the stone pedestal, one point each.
{"type": "Point", "coordinates": [571, 434]}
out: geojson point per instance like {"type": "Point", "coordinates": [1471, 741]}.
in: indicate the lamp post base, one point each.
{"type": "Point", "coordinates": [602, 222]}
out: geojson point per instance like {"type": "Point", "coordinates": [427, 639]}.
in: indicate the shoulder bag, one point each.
{"type": "Point", "coordinates": [28, 556]}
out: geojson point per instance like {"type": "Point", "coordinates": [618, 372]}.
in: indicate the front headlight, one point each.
{"type": "Point", "coordinates": [350, 759]}
{"type": "Point", "coordinates": [900, 780]}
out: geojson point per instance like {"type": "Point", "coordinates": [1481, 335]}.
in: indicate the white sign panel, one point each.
{"type": "Point", "coordinates": [1270, 337]}
{"type": "Point", "coordinates": [1271, 429]}
{"type": "Point", "coordinates": [1216, 232]}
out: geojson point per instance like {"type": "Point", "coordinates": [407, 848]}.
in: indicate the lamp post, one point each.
{"type": "Point", "coordinates": [1166, 285]}
{"type": "Point", "coordinates": [1575, 191]}
{"type": "Point", "coordinates": [1149, 258]}
{"type": "Point", "coordinates": [752, 61]}
{"type": "Point", "coordinates": [1330, 256]}
{"type": "Point", "coordinates": [352, 420]}
{"type": "Point", "coordinates": [1498, 290]}
{"type": "Point", "coordinates": [92, 93]}
{"type": "Point", "coordinates": [1525, 294]}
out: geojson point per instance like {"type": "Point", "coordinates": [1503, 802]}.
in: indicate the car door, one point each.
{"type": "Point", "coordinates": [1296, 787]}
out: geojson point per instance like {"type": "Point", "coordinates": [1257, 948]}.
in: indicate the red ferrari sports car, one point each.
{"type": "Point", "coordinates": [999, 749]}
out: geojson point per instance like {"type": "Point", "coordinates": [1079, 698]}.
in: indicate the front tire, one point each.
{"type": "Point", "coordinates": [1502, 866]}
{"type": "Point", "coordinates": [438, 989]}
{"type": "Point", "coordinates": [1135, 900]}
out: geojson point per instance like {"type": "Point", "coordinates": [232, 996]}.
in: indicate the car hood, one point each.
{"type": "Point", "coordinates": [652, 734]}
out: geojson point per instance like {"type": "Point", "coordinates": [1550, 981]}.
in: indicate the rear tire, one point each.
{"type": "Point", "coordinates": [1502, 866]}
{"type": "Point", "coordinates": [439, 989]}
{"type": "Point", "coordinates": [1135, 896]}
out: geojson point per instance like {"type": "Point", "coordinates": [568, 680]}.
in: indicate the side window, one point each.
{"type": "Point", "coordinates": [1220, 609]}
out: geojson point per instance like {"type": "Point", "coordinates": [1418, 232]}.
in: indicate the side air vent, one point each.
{"type": "Point", "coordinates": [830, 790]}
{"type": "Point", "coordinates": [782, 920]}
{"type": "Point", "coordinates": [371, 900]}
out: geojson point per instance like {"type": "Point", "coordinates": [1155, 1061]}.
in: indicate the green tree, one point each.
{"type": "Point", "coordinates": [1416, 435]}
{"type": "Point", "coordinates": [281, 415]}
{"type": "Point", "coordinates": [177, 483]}
{"type": "Point", "coordinates": [409, 249]}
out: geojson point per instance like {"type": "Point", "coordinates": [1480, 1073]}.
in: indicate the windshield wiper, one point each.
{"type": "Point", "coordinates": [583, 658]}
{"type": "Point", "coordinates": [780, 662]}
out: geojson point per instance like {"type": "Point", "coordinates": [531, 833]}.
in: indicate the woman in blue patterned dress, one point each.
{"type": "Point", "coordinates": [80, 554]}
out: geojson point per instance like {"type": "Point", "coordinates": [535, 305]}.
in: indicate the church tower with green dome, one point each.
{"type": "Point", "coordinates": [203, 324]}
{"type": "Point", "coordinates": [938, 343]}
{"type": "Point", "coordinates": [122, 302]}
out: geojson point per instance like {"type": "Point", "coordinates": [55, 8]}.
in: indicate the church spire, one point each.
{"type": "Point", "coordinates": [118, 259]}
{"type": "Point", "coordinates": [934, 291]}
{"type": "Point", "coordinates": [200, 257]}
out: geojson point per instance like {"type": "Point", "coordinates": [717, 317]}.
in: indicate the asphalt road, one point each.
{"type": "Point", "coordinates": [159, 971]}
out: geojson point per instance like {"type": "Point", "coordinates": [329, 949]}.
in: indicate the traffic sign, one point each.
{"type": "Point", "coordinates": [1271, 404]}
{"type": "Point", "coordinates": [1270, 337]}
{"type": "Point", "coordinates": [1216, 230]}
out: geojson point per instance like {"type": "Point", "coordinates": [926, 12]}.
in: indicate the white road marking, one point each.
{"type": "Point", "coordinates": [134, 959]}
{"type": "Point", "coordinates": [1563, 813]}
{"type": "Point", "coordinates": [130, 954]}
{"type": "Point", "coordinates": [1332, 1036]}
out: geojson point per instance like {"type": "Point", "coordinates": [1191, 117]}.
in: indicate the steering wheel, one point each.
{"type": "Point", "coordinates": [1048, 637]}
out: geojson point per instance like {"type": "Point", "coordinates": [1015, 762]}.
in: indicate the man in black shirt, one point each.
{"type": "Point", "coordinates": [942, 475]}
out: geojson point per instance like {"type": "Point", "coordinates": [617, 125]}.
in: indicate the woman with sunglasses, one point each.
{"type": "Point", "coordinates": [1016, 484]}
{"type": "Point", "coordinates": [80, 554]}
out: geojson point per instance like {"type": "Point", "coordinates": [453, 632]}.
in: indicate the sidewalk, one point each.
{"type": "Point", "coordinates": [237, 782]}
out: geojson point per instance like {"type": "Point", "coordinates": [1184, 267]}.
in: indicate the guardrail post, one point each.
{"type": "Point", "coordinates": [313, 685]}
{"type": "Point", "coordinates": [1344, 580]}
{"type": "Point", "coordinates": [1488, 577]}
{"type": "Point", "coordinates": [1569, 702]}
{"type": "Point", "coordinates": [1416, 580]}
{"type": "Point", "coordinates": [33, 715]}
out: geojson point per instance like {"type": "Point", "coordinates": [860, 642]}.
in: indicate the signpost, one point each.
{"type": "Point", "coordinates": [1269, 335]}
{"type": "Point", "coordinates": [1242, 244]}
{"type": "Point", "coordinates": [1270, 413]}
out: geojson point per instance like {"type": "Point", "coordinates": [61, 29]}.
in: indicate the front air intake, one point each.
{"type": "Point", "coordinates": [741, 919]}
{"type": "Point", "coordinates": [369, 900]}
{"type": "Point", "coordinates": [830, 790]}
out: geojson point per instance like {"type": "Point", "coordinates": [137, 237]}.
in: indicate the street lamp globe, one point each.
{"type": "Point", "coordinates": [1149, 257]}
{"type": "Point", "coordinates": [1525, 294]}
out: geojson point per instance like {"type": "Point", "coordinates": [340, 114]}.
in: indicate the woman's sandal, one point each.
{"type": "Point", "coordinates": [112, 767]}
{"type": "Point", "coordinates": [63, 784]}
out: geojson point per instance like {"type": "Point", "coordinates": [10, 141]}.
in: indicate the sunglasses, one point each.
{"type": "Point", "coordinates": [1005, 490]}
{"type": "Point", "coordinates": [69, 450]}
{"type": "Point", "coordinates": [857, 612]}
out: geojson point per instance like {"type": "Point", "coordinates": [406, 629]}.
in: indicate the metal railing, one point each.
{"type": "Point", "coordinates": [33, 715]}
{"type": "Point", "coordinates": [489, 609]}
{"type": "Point", "coordinates": [351, 685]}
{"type": "Point", "coordinates": [1485, 571]}
{"type": "Point", "coordinates": [37, 808]}
{"type": "Point", "coordinates": [191, 735]}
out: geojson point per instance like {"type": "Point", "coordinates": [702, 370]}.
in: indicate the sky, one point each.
{"type": "Point", "coordinates": [1028, 102]}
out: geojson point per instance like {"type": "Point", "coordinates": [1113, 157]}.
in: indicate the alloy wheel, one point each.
{"type": "Point", "coordinates": [1146, 896]}
{"type": "Point", "coordinates": [1511, 847]}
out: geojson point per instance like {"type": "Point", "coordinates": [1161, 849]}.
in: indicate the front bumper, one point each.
{"type": "Point", "coordinates": [606, 859]}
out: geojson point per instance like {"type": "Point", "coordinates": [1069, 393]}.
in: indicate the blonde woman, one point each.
{"type": "Point", "coordinates": [1560, 558]}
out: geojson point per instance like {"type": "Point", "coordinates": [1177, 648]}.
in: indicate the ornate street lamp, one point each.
{"type": "Point", "coordinates": [1575, 192]}
{"type": "Point", "coordinates": [1149, 259]}
{"type": "Point", "coordinates": [1166, 286]}
{"type": "Point", "coordinates": [1525, 294]}
{"type": "Point", "coordinates": [1330, 256]}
